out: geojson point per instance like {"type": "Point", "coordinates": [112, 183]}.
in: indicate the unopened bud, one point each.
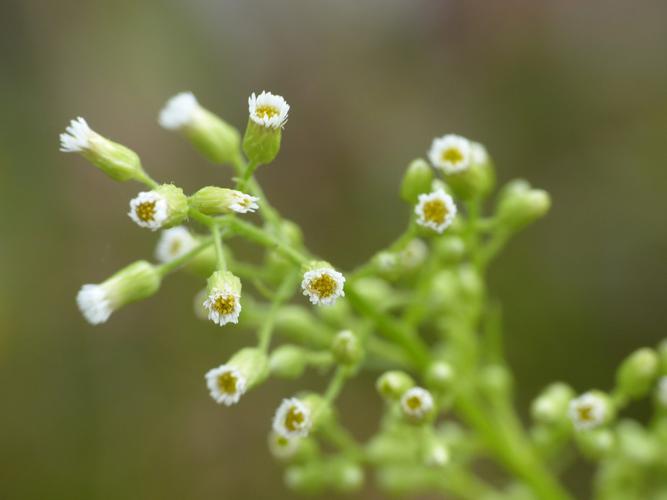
{"type": "Point", "coordinates": [416, 180]}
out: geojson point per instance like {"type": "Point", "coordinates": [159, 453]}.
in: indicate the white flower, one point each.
{"type": "Point", "coordinates": [268, 110]}
{"type": "Point", "coordinates": [437, 456]}
{"type": "Point", "coordinates": [94, 303]}
{"type": "Point", "coordinates": [149, 209]}
{"type": "Point", "coordinates": [179, 111]}
{"type": "Point", "coordinates": [292, 419]}
{"type": "Point", "coordinates": [587, 411]}
{"type": "Point", "coordinates": [174, 243]}
{"type": "Point", "coordinates": [435, 210]}
{"type": "Point", "coordinates": [417, 402]}
{"type": "Point", "coordinates": [662, 391]}
{"type": "Point", "coordinates": [323, 286]}
{"type": "Point", "coordinates": [77, 136]}
{"type": "Point", "coordinates": [478, 154]}
{"type": "Point", "coordinates": [242, 203]}
{"type": "Point", "coordinates": [226, 384]}
{"type": "Point", "coordinates": [451, 153]}
{"type": "Point", "coordinates": [414, 254]}
{"type": "Point", "coordinates": [283, 447]}
{"type": "Point", "coordinates": [223, 306]}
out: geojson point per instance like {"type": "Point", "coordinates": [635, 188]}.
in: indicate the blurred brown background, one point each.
{"type": "Point", "coordinates": [571, 95]}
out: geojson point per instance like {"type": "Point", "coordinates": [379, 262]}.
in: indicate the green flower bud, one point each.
{"type": "Point", "coordinates": [551, 406]}
{"type": "Point", "coordinates": [246, 369]}
{"type": "Point", "coordinates": [451, 249]}
{"type": "Point", "coordinates": [393, 384]}
{"type": "Point", "coordinates": [636, 444]}
{"type": "Point", "coordinates": [597, 443]}
{"type": "Point", "coordinates": [345, 475]}
{"type": "Point", "coordinates": [519, 205]}
{"type": "Point", "coordinates": [346, 348]}
{"type": "Point", "coordinates": [132, 283]}
{"type": "Point", "coordinates": [416, 180]}
{"type": "Point", "coordinates": [268, 114]}
{"type": "Point", "coordinates": [435, 452]}
{"type": "Point", "coordinates": [307, 478]}
{"type": "Point", "coordinates": [374, 290]}
{"type": "Point", "coordinates": [390, 447]}
{"type": "Point", "coordinates": [288, 361]}
{"type": "Point", "coordinates": [212, 200]}
{"type": "Point", "coordinates": [636, 375]}
{"type": "Point", "coordinates": [115, 160]}
{"type": "Point", "coordinates": [496, 379]}
{"type": "Point", "coordinates": [439, 376]}
{"type": "Point", "coordinates": [211, 136]}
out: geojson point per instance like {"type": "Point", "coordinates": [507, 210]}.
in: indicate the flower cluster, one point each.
{"type": "Point", "coordinates": [412, 313]}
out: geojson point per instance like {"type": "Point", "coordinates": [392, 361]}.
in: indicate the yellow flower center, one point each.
{"type": "Point", "coordinates": [323, 286]}
{"type": "Point", "coordinates": [435, 211]}
{"type": "Point", "coordinates": [294, 419]}
{"type": "Point", "coordinates": [452, 155]}
{"type": "Point", "coordinates": [224, 304]}
{"type": "Point", "coordinates": [228, 383]}
{"type": "Point", "coordinates": [145, 211]}
{"type": "Point", "coordinates": [266, 111]}
{"type": "Point", "coordinates": [414, 403]}
{"type": "Point", "coordinates": [585, 413]}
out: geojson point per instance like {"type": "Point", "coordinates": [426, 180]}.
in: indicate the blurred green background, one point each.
{"type": "Point", "coordinates": [571, 95]}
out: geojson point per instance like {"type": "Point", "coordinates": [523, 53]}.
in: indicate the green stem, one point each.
{"type": "Point", "coordinates": [284, 292]}
{"type": "Point", "coordinates": [217, 240]}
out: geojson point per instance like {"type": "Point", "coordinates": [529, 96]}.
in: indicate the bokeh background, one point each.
{"type": "Point", "coordinates": [571, 95]}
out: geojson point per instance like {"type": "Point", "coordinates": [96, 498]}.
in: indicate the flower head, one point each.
{"type": "Point", "coordinates": [174, 243]}
{"type": "Point", "coordinates": [226, 384]}
{"type": "Point", "coordinates": [323, 285]}
{"type": "Point", "coordinates": [213, 200]}
{"type": "Point", "coordinates": [451, 153]}
{"type": "Point", "coordinates": [76, 137]}
{"type": "Point", "coordinates": [94, 303]}
{"type": "Point", "coordinates": [223, 302]}
{"type": "Point", "coordinates": [414, 254]}
{"type": "Point", "coordinates": [292, 419]}
{"type": "Point", "coordinates": [588, 411]}
{"type": "Point", "coordinates": [179, 111]}
{"type": "Point", "coordinates": [149, 209]}
{"type": "Point", "coordinates": [268, 110]}
{"type": "Point", "coordinates": [417, 403]}
{"type": "Point", "coordinates": [283, 447]}
{"type": "Point", "coordinates": [243, 203]}
{"type": "Point", "coordinates": [435, 210]}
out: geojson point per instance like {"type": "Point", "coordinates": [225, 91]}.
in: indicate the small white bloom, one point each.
{"type": "Point", "coordinates": [435, 210]}
{"type": "Point", "coordinates": [292, 419]}
{"type": "Point", "coordinates": [268, 110]}
{"type": "Point", "coordinates": [386, 261]}
{"type": "Point", "coordinates": [479, 154]}
{"type": "Point", "coordinates": [417, 402]}
{"type": "Point", "coordinates": [179, 111]}
{"type": "Point", "coordinates": [587, 411]}
{"type": "Point", "coordinates": [223, 306]}
{"type": "Point", "coordinates": [174, 243]}
{"type": "Point", "coordinates": [323, 286]}
{"type": "Point", "coordinates": [149, 209]}
{"type": "Point", "coordinates": [283, 447]}
{"type": "Point", "coordinates": [451, 153]}
{"type": "Point", "coordinates": [662, 391]}
{"type": "Point", "coordinates": [77, 136]}
{"type": "Point", "coordinates": [414, 254]}
{"type": "Point", "coordinates": [226, 384]}
{"type": "Point", "coordinates": [94, 304]}
{"type": "Point", "coordinates": [243, 203]}
{"type": "Point", "coordinates": [437, 456]}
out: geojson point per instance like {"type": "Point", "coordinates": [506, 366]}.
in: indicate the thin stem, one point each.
{"type": "Point", "coordinates": [284, 292]}
{"type": "Point", "coordinates": [147, 180]}
{"type": "Point", "coordinates": [172, 265]}
{"type": "Point", "coordinates": [217, 240]}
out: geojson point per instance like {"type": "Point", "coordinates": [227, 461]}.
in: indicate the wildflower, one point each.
{"type": "Point", "coordinates": [283, 447]}
{"type": "Point", "coordinates": [216, 201]}
{"type": "Point", "coordinates": [416, 180]}
{"type": "Point", "coordinates": [435, 210]}
{"type": "Point", "coordinates": [292, 419]}
{"type": "Point", "coordinates": [637, 373]}
{"type": "Point", "coordinates": [226, 384]}
{"type": "Point", "coordinates": [435, 453]}
{"type": "Point", "coordinates": [174, 243]}
{"type": "Point", "coordinates": [223, 302]}
{"type": "Point", "coordinates": [213, 137]}
{"type": "Point", "coordinates": [393, 384]}
{"type": "Point", "coordinates": [268, 110]}
{"type": "Point", "coordinates": [417, 404]}
{"type": "Point", "coordinates": [520, 205]}
{"type": "Point", "coordinates": [162, 207]}
{"type": "Point", "coordinates": [588, 411]}
{"type": "Point", "coordinates": [115, 160]}
{"type": "Point", "coordinates": [551, 406]}
{"type": "Point", "coordinates": [267, 116]}
{"type": "Point", "coordinates": [322, 284]}
{"type": "Point", "coordinates": [346, 348]}
{"type": "Point", "coordinates": [414, 254]}
{"type": "Point", "coordinates": [451, 153]}
{"type": "Point", "coordinates": [134, 282]}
